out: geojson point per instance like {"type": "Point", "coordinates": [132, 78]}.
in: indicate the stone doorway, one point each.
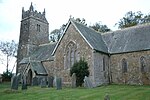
{"type": "Point", "coordinates": [29, 77]}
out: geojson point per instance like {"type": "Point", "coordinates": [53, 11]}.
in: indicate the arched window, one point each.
{"type": "Point", "coordinates": [143, 64]}
{"type": "Point", "coordinates": [70, 55]}
{"type": "Point", "coordinates": [124, 65]}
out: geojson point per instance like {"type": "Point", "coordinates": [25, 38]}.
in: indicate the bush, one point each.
{"type": "Point", "coordinates": [81, 70]}
{"type": "Point", "coordinates": [6, 76]}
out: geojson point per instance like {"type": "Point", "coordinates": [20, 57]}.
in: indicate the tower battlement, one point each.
{"type": "Point", "coordinates": [33, 13]}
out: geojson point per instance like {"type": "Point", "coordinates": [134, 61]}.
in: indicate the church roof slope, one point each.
{"type": "Point", "coordinates": [38, 68]}
{"type": "Point", "coordinates": [43, 52]}
{"type": "Point", "coordinates": [128, 40]}
{"type": "Point", "coordinates": [93, 38]}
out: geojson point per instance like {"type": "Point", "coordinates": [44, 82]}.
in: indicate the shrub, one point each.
{"type": "Point", "coordinates": [6, 76]}
{"type": "Point", "coordinates": [81, 70]}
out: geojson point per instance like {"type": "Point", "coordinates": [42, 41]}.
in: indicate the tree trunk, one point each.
{"type": "Point", "coordinates": [7, 64]}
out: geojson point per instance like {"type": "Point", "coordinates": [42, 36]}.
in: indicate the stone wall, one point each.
{"type": "Point", "coordinates": [49, 66]}
{"type": "Point", "coordinates": [133, 74]}
{"type": "Point", "coordinates": [83, 50]}
{"type": "Point", "coordinates": [101, 68]}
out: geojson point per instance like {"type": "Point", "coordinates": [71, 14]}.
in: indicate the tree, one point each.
{"type": "Point", "coordinates": [100, 28]}
{"type": "Point", "coordinates": [8, 49]}
{"type": "Point", "coordinates": [132, 19]}
{"type": "Point", "coordinates": [81, 70]}
{"type": "Point", "coordinates": [82, 21]}
{"type": "Point", "coordinates": [57, 33]}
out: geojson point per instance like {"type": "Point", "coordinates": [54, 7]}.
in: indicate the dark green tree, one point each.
{"type": "Point", "coordinates": [131, 19]}
{"type": "Point", "coordinates": [100, 28]}
{"type": "Point", "coordinates": [81, 70]}
{"type": "Point", "coordinates": [82, 21]}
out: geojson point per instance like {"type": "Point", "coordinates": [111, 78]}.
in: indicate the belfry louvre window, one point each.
{"type": "Point", "coordinates": [124, 65]}
{"type": "Point", "coordinates": [38, 27]}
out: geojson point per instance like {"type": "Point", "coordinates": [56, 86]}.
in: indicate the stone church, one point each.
{"type": "Point", "coordinates": [121, 57]}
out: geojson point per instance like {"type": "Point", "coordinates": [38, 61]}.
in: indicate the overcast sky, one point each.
{"type": "Point", "coordinates": [58, 12]}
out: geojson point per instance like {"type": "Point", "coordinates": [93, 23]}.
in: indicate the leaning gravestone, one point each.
{"type": "Point", "coordinates": [73, 80]}
{"type": "Point", "coordinates": [35, 81]}
{"type": "Point", "coordinates": [87, 82]}
{"type": "Point", "coordinates": [24, 84]}
{"type": "Point", "coordinates": [58, 83]}
{"type": "Point", "coordinates": [43, 83]}
{"type": "Point", "coordinates": [14, 82]}
{"type": "Point", "coordinates": [50, 81]}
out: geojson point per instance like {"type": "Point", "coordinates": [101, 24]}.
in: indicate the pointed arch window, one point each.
{"type": "Point", "coordinates": [70, 55]}
{"type": "Point", "coordinates": [143, 64]}
{"type": "Point", "coordinates": [124, 65]}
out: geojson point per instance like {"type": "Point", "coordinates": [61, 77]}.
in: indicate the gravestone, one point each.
{"type": "Point", "coordinates": [73, 80]}
{"type": "Point", "coordinates": [58, 83]}
{"type": "Point", "coordinates": [19, 77]}
{"type": "Point", "coordinates": [24, 84]}
{"type": "Point", "coordinates": [14, 82]}
{"type": "Point", "coordinates": [35, 81]}
{"type": "Point", "coordinates": [50, 81]}
{"type": "Point", "coordinates": [87, 82]}
{"type": "Point", "coordinates": [43, 83]}
{"type": "Point", "coordinates": [107, 97]}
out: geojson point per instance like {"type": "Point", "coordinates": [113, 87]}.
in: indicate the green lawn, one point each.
{"type": "Point", "coordinates": [116, 92]}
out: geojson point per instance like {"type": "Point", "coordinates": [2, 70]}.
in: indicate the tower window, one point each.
{"type": "Point", "coordinates": [38, 27]}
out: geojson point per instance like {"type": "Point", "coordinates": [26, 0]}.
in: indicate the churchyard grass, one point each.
{"type": "Point", "coordinates": [116, 92]}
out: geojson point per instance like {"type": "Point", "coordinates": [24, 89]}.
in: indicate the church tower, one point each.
{"type": "Point", "coordinates": [34, 31]}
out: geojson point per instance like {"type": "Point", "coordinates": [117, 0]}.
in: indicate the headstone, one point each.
{"type": "Point", "coordinates": [14, 82]}
{"type": "Point", "coordinates": [58, 83]}
{"type": "Point", "coordinates": [35, 81]}
{"type": "Point", "coordinates": [43, 83]}
{"type": "Point", "coordinates": [73, 80]}
{"type": "Point", "coordinates": [87, 82]}
{"type": "Point", "coordinates": [50, 81]}
{"type": "Point", "coordinates": [19, 77]}
{"type": "Point", "coordinates": [24, 84]}
{"type": "Point", "coordinates": [107, 97]}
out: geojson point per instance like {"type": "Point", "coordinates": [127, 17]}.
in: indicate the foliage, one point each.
{"type": "Point", "coordinates": [82, 21]}
{"type": "Point", "coordinates": [57, 33]}
{"type": "Point", "coordinates": [6, 76]}
{"type": "Point", "coordinates": [9, 49]}
{"type": "Point", "coordinates": [132, 19]}
{"type": "Point", "coordinates": [116, 92]}
{"type": "Point", "coordinates": [100, 28]}
{"type": "Point", "coordinates": [81, 70]}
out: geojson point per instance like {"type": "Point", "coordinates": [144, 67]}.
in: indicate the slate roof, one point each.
{"type": "Point", "coordinates": [93, 38]}
{"type": "Point", "coordinates": [128, 40]}
{"type": "Point", "coordinates": [38, 68]}
{"type": "Point", "coordinates": [42, 53]}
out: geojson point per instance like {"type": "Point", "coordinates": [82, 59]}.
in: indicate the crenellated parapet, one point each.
{"type": "Point", "coordinates": [33, 13]}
